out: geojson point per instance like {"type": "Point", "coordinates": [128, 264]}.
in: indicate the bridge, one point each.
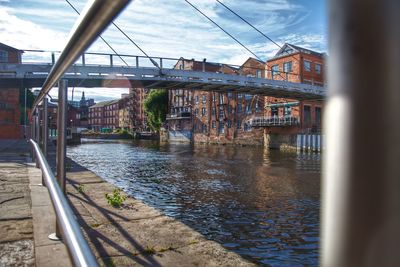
{"type": "Point", "coordinates": [108, 74]}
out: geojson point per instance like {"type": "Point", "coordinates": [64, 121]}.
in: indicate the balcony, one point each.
{"type": "Point", "coordinates": [179, 116]}
{"type": "Point", "coordinates": [275, 121]}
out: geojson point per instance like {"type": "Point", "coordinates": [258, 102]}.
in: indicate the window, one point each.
{"type": "Point", "coordinates": [196, 111]}
{"type": "Point", "coordinates": [287, 111]}
{"type": "Point", "coordinates": [221, 128]}
{"type": "Point", "coordinates": [318, 116]}
{"type": "Point", "coordinates": [230, 95]}
{"type": "Point", "coordinates": [203, 111]}
{"type": "Point", "coordinates": [213, 125]}
{"type": "Point", "coordinates": [257, 107]}
{"type": "Point", "coordinates": [221, 99]}
{"type": "Point", "coordinates": [240, 95]}
{"type": "Point", "coordinates": [213, 98]}
{"type": "Point", "coordinates": [238, 124]}
{"type": "Point", "coordinates": [318, 68]}
{"type": "Point", "coordinates": [275, 70]}
{"type": "Point", "coordinates": [248, 109]}
{"type": "Point", "coordinates": [221, 114]}
{"type": "Point", "coordinates": [239, 108]}
{"type": "Point", "coordinates": [287, 66]}
{"type": "Point", "coordinates": [229, 109]}
{"type": "Point", "coordinates": [3, 56]}
{"type": "Point", "coordinates": [307, 115]}
{"type": "Point", "coordinates": [307, 65]}
{"type": "Point", "coordinates": [197, 99]}
{"type": "Point", "coordinates": [204, 98]}
{"type": "Point", "coordinates": [274, 111]}
{"type": "Point", "coordinates": [204, 128]}
{"type": "Point", "coordinates": [247, 127]}
{"type": "Point", "coordinates": [229, 124]}
{"type": "Point", "coordinates": [258, 74]}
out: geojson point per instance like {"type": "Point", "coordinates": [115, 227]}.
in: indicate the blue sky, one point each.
{"type": "Point", "coordinates": [170, 29]}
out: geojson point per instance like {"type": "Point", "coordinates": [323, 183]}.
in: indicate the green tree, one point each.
{"type": "Point", "coordinates": [156, 106]}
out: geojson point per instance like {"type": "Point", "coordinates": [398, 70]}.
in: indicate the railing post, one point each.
{"type": "Point", "coordinates": [33, 133]}
{"type": "Point", "coordinates": [83, 60]}
{"type": "Point", "coordinates": [161, 66]}
{"type": "Point", "coordinates": [37, 130]}
{"type": "Point", "coordinates": [111, 60]}
{"type": "Point", "coordinates": [53, 58]}
{"type": "Point", "coordinates": [61, 138]}
{"type": "Point", "coordinates": [137, 62]}
{"type": "Point", "coordinates": [45, 131]}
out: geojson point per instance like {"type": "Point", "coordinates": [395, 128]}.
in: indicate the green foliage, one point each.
{"type": "Point", "coordinates": [149, 250]}
{"type": "Point", "coordinates": [116, 199]}
{"type": "Point", "coordinates": [121, 131]}
{"type": "Point", "coordinates": [81, 188]}
{"type": "Point", "coordinates": [156, 105]}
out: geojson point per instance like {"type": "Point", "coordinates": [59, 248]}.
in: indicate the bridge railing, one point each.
{"type": "Point", "coordinates": [85, 32]}
{"type": "Point", "coordinates": [136, 61]}
{"type": "Point", "coordinates": [275, 121]}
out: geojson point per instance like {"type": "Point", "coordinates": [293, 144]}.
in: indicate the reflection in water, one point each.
{"type": "Point", "coordinates": [261, 204]}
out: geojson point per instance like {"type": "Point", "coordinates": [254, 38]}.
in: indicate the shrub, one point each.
{"type": "Point", "coordinates": [115, 199]}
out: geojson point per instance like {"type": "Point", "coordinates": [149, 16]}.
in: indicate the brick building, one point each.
{"type": "Point", "coordinates": [182, 119]}
{"type": "Point", "coordinates": [123, 112]}
{"type": "Point", "coordinates": [137, 116]}
{"type": "Point", "coordinates": [295, 64]}
{"type": "Point", "coordinates": [211, 117]}
{"type": "Point", "coordinates": [9, 98]}
{"type": "Point", "coordinates": [96, 116]}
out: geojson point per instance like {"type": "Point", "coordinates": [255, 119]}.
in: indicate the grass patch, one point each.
{"type": "Point", "coordinates": [95, 225]}
{"type": "Point", "coordinates": [116, 198]}
{"type": "Point", "coordinates": [149, 251]}
{"type": "Point", "coordinates": [81, 188]}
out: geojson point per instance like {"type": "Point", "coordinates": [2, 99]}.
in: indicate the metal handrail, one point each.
{"type": "Point", "coordinates": [78, 247]}
{"type": "Point", "coordinates": [91, 23]}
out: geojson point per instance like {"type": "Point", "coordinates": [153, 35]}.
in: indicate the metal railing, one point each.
{"type": "Point", "coordinates": [275, 121]}
{"type": "Point", "coordinates": [73, 237]}
{"type": "Point", "coordinates": [93, 20]}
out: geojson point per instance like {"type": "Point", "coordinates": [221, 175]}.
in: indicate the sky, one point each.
{"type": "Point", "coordinates": [168, 28]}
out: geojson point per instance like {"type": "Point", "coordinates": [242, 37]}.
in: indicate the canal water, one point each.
{"type": "Point", "coordinates": [261, 204]}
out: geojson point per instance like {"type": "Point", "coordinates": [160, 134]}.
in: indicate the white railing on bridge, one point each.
{"type": "Point", "coordinates": [275, 121]}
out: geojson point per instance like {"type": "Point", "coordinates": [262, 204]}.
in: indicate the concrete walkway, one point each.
{"type": "Point", "coordinates": [133, 235]}
{"type": "Point", "coordinates": [26, 213]}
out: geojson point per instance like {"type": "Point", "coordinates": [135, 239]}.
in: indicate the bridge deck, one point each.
{"type": "Point", "coordinates": [34, 75]}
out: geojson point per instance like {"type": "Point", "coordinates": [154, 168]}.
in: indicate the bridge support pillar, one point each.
{"type": "Point", "coordinates": [361, 170]}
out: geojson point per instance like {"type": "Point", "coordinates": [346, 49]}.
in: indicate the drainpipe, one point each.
{"type": "Point", "coordinates": [361, 170]}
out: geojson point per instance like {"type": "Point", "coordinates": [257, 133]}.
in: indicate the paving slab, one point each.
{"type": "Point", "coordinates": [16, 227]}
{"type": "Point", "coordinates": [53, 255]}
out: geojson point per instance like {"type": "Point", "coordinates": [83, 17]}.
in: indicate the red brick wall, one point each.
{"type": "Point", "coordinates": [9, 114]}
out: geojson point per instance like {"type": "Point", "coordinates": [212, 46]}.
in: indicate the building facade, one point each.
{"type": "Point", "coordinates": [212, 117]}
{"type": "Point", "coordinates": [299, 65]}
{"type": "Point", "coordinates": [9, 98]}
{"type": "Point", "coordinates": [136, 113]}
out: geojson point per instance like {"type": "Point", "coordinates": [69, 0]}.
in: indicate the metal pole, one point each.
{"type": "Point", "coordinates": [25, 115]}
{"type": "Point", "coordinates": [61, 137]}
{"type": "Point", "coordinates": [33, 131]}
{"type": "Point", "coordinates": [45, 131]}
{"type": "Point", "coordinates": [361, 170]}
{"type": "Point", "coordinates": [37, 129]}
